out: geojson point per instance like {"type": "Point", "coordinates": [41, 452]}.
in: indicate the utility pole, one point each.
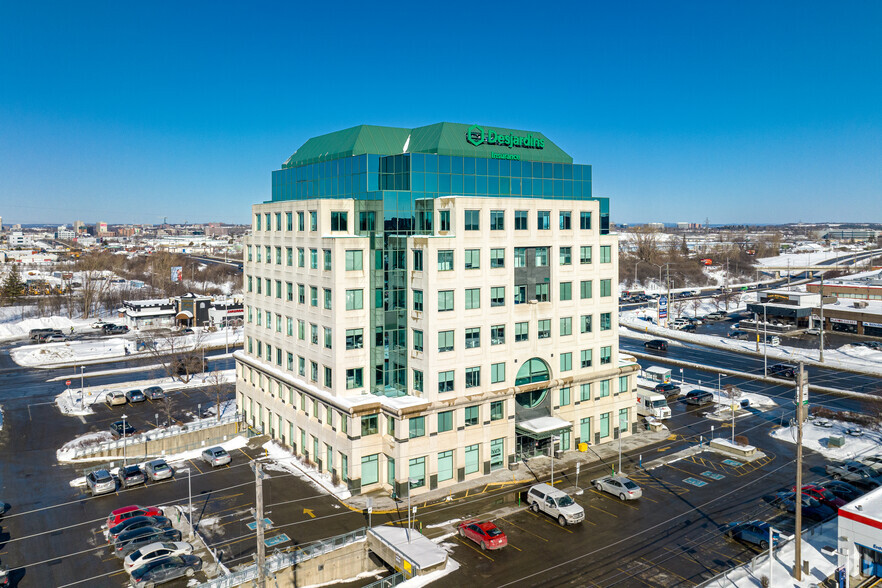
{"type": "Point", "coordinates": [800, 411]}
{"type": "Point", "coordinates": [821, 330]}
{"type": "Point", "coordinates": [261, 546]}
{"type": "Point", "coordinates": [668, 280]}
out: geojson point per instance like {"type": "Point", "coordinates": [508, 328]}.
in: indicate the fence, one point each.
{"type": "Point", "coordinates": [281, 560]}
{"type": "Point", "coordinates": [390, 582]}
{"type": "Point", "coordinates": [200, 425]}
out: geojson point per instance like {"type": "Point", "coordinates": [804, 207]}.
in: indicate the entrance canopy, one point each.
{"type": "Point", "coordinates": [542, 427]}
{"type": "Point", "coordinates": [184, 315]}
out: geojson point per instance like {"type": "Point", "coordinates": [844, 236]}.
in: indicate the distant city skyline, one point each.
{"type": "Point", "coordinates": [742, 113]}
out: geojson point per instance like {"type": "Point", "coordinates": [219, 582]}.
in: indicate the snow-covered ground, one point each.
{"type": "Point", "coordinates": [13, 327]}
{"type": "Point", "coordinates": [815, 437]}
{"type": "Point", "coordinates": [285, 461]}
{"type": "Point", "coordinates": [48, 355]}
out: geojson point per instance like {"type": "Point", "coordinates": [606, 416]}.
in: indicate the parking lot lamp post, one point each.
{"type": "Point", "coordinates": [410, 482]}
{"type": "Point", "coordinates": [124, 439]}
{"type": "Point", "coordinates": [765, 343]}
{"type": "Point", "coordinates": [619, 471]}
{"type": "Point", "coordinates": [554, 439]}
{"type": "Point", "coordinates": [756, 326]}
{"type": "Point", "coordinates": [771, 548]}
{"type": "Point", "coordinates": [82, 379]}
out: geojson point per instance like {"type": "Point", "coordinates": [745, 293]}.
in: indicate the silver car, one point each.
{"type": "Point", "coordinates": [158, 469]}
{"type": "Point", "coordinates": [154, 393]}
{"type": "Point", "coordinates": [854, 472]}
{"type": "Point", "coordinates": [100, 482]}
{"type": "Point", "coordinates": [619, 486]}
{"type": "Point", "coordinates": [216, 456]}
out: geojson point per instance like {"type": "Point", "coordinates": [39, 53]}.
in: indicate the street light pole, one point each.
{"type": "Point", "coordinates": [124, 439]}
{"type": "Point", "coordinates": [554, 439]}
{"type": "Point", "coordinates": [189, 501]}
{"type": "Point", "coordinates": [410, 482]}
{"type": "Point", "coordinates": [765, 343]}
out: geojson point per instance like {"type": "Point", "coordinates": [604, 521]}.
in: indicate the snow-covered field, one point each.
{"type": "Point", "coordinates": [815, 437]}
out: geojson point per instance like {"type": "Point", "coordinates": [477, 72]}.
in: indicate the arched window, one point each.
{"type": "Point", "coordinates": [535, 370]}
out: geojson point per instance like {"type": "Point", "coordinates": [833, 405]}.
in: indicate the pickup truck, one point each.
{"type": "Point", "coordinates": [854, 472]}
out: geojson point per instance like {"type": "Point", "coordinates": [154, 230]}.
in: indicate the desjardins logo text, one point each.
{"type": "Point", "coordinates": [476, 135]}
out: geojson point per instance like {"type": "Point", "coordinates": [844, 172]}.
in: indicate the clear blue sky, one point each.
{"type": "Point", "coordinates": [734, 111]}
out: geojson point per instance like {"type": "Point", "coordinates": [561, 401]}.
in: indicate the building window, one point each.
{"type": "Point", "coordinates": [566, 291]}
{"type": "Point", "coordinates": [566, 326]}
{"type": "Point", "coordinates": [585, 321]}
{"type": "Point", "coordinates": [522, 331]}
{"type": "Point", "coordinates": [329, 381]}
{"type": "Point", "coordinates": [605, 321]}
{"type": "Point", "coordinates": [473, 377]}
{"type": "Point", "coordinates": [445, 300]}
{"type": "Point", "coordinates": [445, 466]}
{"type": "Point", "coordinates": [497, 258]}
{"type": "Point", "coordinates": [520, 294]}
{"type": "Point", "coordinates": [444, 220]}
{"type": "Point", "coordinates": [566, 220]}
{"type": "Point", "coordinates": [445, 421]}
{"type": "Point", "coordinates": [445, 381]}
{"type": "Point", "coordinates": [313, 296]}
{"type": "Point", "coordinates": [367, 221]}
{"type": "Point", "coordinates": [417, 260]}
{"type": "Point", "coordinates": [313, 371]}
{"type": "Point", "coordinates": [313, 220]}
{"type": "Point", "coordinates": [327, 258]}
{"type": "Point", "coordinates": [543, 220]}
{"type": "Point", "coordinates": [542, 292]}
{"type": "Point", "coordinates": [370, 467]}
{"type": "Point", "coordinates": [471, 415]}
{"type": "Point", "coordinates": [497, 220]}
{"type": "Point", "coordinates": [585, 289]}
{"type": "Point", "coordinates": [289, 221]}
{"type": "Point", "coordinates": [543, 329]}
{"type": "Point", "coordinates": [520, 220]}
{"type": "Point", "coordinates": [472, 458]}
{"type": "Point", "coordinates": [328, 337]}
{"type": "Point", "coordinates": [418, 300]}
{"type": "Point", "coordinates": [585, 221]}
{"type": "Point", "coordinates": [354, 299]}
{"type": "Point", "coordinates": [278, 256]}
{"type": "Point", "coordinates": [327, 295]}
{"type": "Point", "coordinates": [354, 338]}
{"type": "Point", "coordinates": [300, 223]}
{"type": "Point", "coordinates": [370, 425]}
{"type": "Point", "coordinates": [257, 222]}
{"type": "Point", "coordinates": [301, 330]}
{"type": "Point", "coordinates": [604, 425]}
{"type": "Point", "coordinates": [290, 322]}
{"type": "Point", "coordinates": [339, 221]}
{"type": "Point", "coordinates": [473, 220]}
{"type": "Point", "coordinates": [497, 335]}
{"type": "Point", "coordinates": [445, 260]}
{"type": "Point", "coordinates": [472, 258]}
{"type": "Point", "coordinates": [313, 258]}
{"type": "Point", "coordinates": [354, 259]}
{"type": "Point", "coordinates": [605, 254]}
{"type": "Point", "coordinates": [390, 426]}
{"type": "Point", "coordinates": [520, 257]}
{"type": "Point", "coordinates": [585, 392]}
{"type": "Point", "coordinates": [354, 378]}
{"type": "Point", "coordinates": [472, 298]}
{"type": "Point", "coordinates": [565, 396]}
{"type": "Point", "coordinates": [416, 427]}
{"type": "Point", "coordinates": [566, 255]}
{"type": "Point", "coordinates": [313, 328]}
{"type": "Point", "coordinates": [497, 410]}
{"type": "Point", "coordinates": [417, 472]}
{"type": "Point", "coordinates": [301, 367]}
{"type": "Point", "coordinates": [604, 389]}
{"type": "Point", "coordinates": [586, 358]}
{"type": "Point", "coordinates": [605, 288]}
{"type": "Point", "coordinates": [497, 372]}
{"type": "Point", "coordinates": [605, 355]}
{"type": "Point", "coordinates": [497, 296]}
{"type": "Point", "coordinates": [473, 338]}
{"type": "Point", "coordinates": [624, 420]}
{"type": "Point", "coordinates": [623, 384]}
{"type": "Point", "coordinates": [585, 254]}
{"type": "Point", "coordinates": [301, 257]}
{"type": "Point", "coordinates": [418, 380]}
{"type": "Point", "coordinates": [566, 362]}
{"type": "Point", "coordinates": [417, 340]}
{"type": "Point", "coordinates": [542, 257]}
{"type": "Point", "coordinates": [445, 341]}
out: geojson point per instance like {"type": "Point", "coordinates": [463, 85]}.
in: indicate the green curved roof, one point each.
{"type": "Point", "coordinates": [443, 138]}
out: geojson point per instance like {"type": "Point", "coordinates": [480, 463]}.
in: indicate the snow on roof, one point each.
{"type": "Point", "coordinates": [419, 550]}
{"type": "Point", "coordinates": [545, 424]}
{"type": "Point", "coordinates": [868, 505]}
{"type": "Point", "coordinates": [152, 302]}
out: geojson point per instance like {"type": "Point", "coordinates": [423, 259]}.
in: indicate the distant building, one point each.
{"type": "Point", "coordinates": [65, 234]}
{"type": "Point", "coordinates": [79, 227]}
{"type": "Point", "coordinates": [852, 235]}
{"type": "Point", "coordinates": [188, 310]}
{"type": "Point", "coordinates": [19, 239]}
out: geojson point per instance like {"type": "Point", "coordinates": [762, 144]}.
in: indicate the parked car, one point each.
{"type": "Point", "coordinates": [484, 533]}
{"type": "Point", "coordinates": [115, 398]}
{"type": "Point", "coordinates": [152, 551]}
{"type": "Point", "coordinates": [158, 469]}
{"type": "Point", "coordinates": [116, 330]}
{"type": "Point", "coordinates": [100, 482]}
{"type": "Point", "coordinates": [107, 327]}
{"type": "Point", "coordinates": [736, 334]}
{"type": "Point", "coordinates": [135, 396]}
{"type": "Point", "coordinates": [216, 456]}
{"type": "Point", "coordinates": [130, 476]}
{"type": "Point", "coordinates": [717, 315]}
{"type": "Point", "coordinates": [668, 389]}
{"type": "Point", "coordinates": [619, 486]}
{"type": "Point", "coordinates": [843, 490]}
{"type": "Point", "coordinates": [54, 338]}
{"type": "Point", "coordinates": [688, 328]}
{"type": "Point", "coordinates": [122, 428]}
{"type": "Point", "coordinates": [555, 503]}
{"type": "Point", "coordinates": [129, 541]}
{"type": "Point", "coordinates": [823, 496]}
{"type": "Point", "coordinates": [186, 331]}
{"type": "Point", "coordinates": [34, 334]}
{"type": "Point", "coordinates": [699, 397]}
{"type": "Point", "coordinates": [811, 508]}
{"type": "Point", "coordinates": [874, 462]}
{"type": "Point", "coordinates": [773, 340]}
{"type": "Point", "coordinates": [854, 472]}
{"type": "Point", "coordinates": [44, 337]}
{"type": "Point", "coordinates": [783, 369]}
{"type": "Point", "coordinates": [119, 515]}
{"type": "Point", "coordinates": [657, 344]}
{"type": "Point", "coordinates": [166, 569]}
{"type": "Point", "coordinates": [813, 332]}
{"type": "Point", "coordinates": [141, 522]}
{"type": "Point", "coordinates": [678, 323]}
{"type": "Point", "coordinates": [756, 532]}
{"type": "Point", "coordinates": [154, 393]}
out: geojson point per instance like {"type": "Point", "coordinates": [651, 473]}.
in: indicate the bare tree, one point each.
{"type": "Point", "coordinates": [677, 307]}
{"type": "Point", "coordinates": [696, 305]}
{"type": "Point", "coordinates": [218, 387]}
{"type": "Point", "coordinates": [179, 356]}
{"type": "Point", "coordinates": [646, 244]}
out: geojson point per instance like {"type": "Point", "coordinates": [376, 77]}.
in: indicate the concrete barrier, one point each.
{"type": "Point", "coordinates": [346, 562]}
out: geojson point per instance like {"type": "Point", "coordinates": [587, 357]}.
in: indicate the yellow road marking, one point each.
{"type": "Point", "coordinates": [603, 511]}
{"type": "Point", "coordinates": [611, 497]}
{"type": "Point", "coordinates": [545, 518]}
{"type": "Point", "coordinates": [246, 455]}
{"type": "Point", "coordinates": [463, 541]}
{"type": "Point", "coordinates": [508, 522]}
{"type": "Point", "coordinates": [193, 463]}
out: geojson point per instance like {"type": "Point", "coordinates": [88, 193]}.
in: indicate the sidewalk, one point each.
{"type": "Point", "coordinates": [597, 461]}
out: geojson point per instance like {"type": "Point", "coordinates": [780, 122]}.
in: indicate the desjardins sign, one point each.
{"type": "Point", "coordinates": [477, 135]}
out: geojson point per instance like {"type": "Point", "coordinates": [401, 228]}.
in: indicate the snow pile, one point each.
{"type": "Point", "coordinates": [286, 461]}
{"type": "Point", "coordinates": [816, 434]}
{"type": "Point", "coordinates": [68, 450]}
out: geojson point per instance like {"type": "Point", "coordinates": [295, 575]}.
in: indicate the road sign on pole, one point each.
{"type": "Point", "coordinates": [662, 307]}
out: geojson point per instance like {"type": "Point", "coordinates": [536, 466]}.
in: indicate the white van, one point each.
{"type": "Point", "coordinates": [555, 503]}
{"type": "Point", "coordinates": [652, 404]}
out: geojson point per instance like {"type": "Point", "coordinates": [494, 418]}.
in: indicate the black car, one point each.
{"type": "Point", "coordinates": [130, 476]}
{"type": "Point", "coordinates": [139, 522]}
{"type": "Point", "coordinates": [129, 541]}
{"type": "Point", "coordinates": [783, 369]}
{"type": "Point", "coordinates": [698, 397]}
{"type": "Point", "coordinates": [122, 427]}
{"type": "Point", "coordinates": [667, 389]}
{"type": "Point", "coordinates": [657, 344]}
{"type": "Point", "coordinates": [166, 569]}
{"type": "Point", "coordinates": [843, 490]}
{"type": "Point", "coordinates": [690, 328]}
{"type": "Point", "coordinates": [117, 330]}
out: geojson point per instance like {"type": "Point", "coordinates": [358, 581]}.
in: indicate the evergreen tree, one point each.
{"type": "Point", "coordinates": [13, 288]}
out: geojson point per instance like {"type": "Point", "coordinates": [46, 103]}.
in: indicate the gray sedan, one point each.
{"type": "Point", "coordinates": [619, 486]}
{"type": "Point", "coordinates": [854, 472]}
{"type": "Point", "coordinates": [158, 469]}
{"type": "Point", "coordinates": [216, 456]}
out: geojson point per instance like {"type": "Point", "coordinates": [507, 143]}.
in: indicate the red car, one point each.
{"type": "Point", "coordinates": [127, 512]}
{"type": "Point", "coordinates": [485, 533]}
{"type": "Point", "coordinates": [823, 496]}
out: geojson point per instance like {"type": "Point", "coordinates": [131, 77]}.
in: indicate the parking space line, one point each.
{"type": "Point", "coordinates": [514, 547]}
{"type": "Point", "coordinates": [195, 466]}
{"type": "Point", "coordinates": [463, 541]}
{"type": "Point", "coordinates": [508, 522]}
{"type": "Point", "coordinates": [660, 567]}
{"type": "Point", "coordinates": [685, 554]}
{"type": "Point", "coordinates": [246, 455]}
{"type": "Point", "coordinates": [603, 511]}
{"type": "Point", "coordinates": [611, 497]}
{"type": "Point", "coordinates": [545, 518]}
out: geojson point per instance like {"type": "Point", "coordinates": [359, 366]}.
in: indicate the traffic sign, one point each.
{"type": "Point", "coordinates": [67, 383]}
{"type": "Point", "coordinates": [662, 307]}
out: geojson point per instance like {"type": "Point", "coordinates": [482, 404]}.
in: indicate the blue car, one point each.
{"type": "Point", "coordinates": [756, 532]}
{"type": "Point", "coordinates": [811, 508]}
